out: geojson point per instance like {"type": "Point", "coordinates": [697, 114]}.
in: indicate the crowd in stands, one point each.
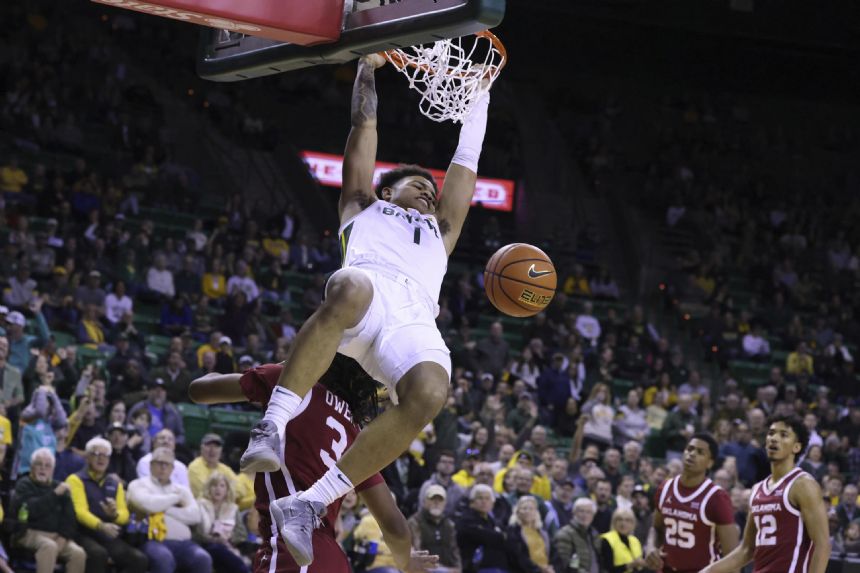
{"type": "Point", "coordinates": [557, 430]}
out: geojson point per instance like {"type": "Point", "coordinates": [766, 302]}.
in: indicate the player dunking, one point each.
{"type": "Point", "coordinates": [323, 427]}
{"type": "Point", "coordinates": [694, 520]}
{"type": "Point", "coordinates": [379, 309]}
{"type": "Point", "coordinates": [787, 530]}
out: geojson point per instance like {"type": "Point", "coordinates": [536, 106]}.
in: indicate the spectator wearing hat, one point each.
{"type": "Point", "coordinates": [100, 506]}
{"type": "Point", "coordinates": [643, 512]}
{"type": "Point", "coordinates": [92, 293]}
{"type": "Point", "coordinates": [559, 508]}
{"type": "Point", "coordinates": [442, 477]}
{"type": "Point", "coordinates": [434, 532]}
{"type": "Point", "coordinates": [13, 389]}
{"type": "Point", "coordinates": [224, 362]}
{"type": "Point", "coordinates": [176, 376]}
{"type": "Point", "coordinates": [555, 387]}
{"type": "Point", "coordinates": [165, 415]}
{"type": "Point", "coordinates": [122, 462]}
{"type": "Point", "coordinates": [465, 477]}
{"type": "Point", "coordinates": [164, 439]}
{"type": "Point", "coordinates": [171, 511]}
{"type": "Point", "coordinates": [117, 303]}
{"type": "Point", "coordinates": [577, 544]}
{"type": "Point", "coordinates": [50, 525]}
{"type": "Point", "coordinates": [21, 289]}
{"type": "Point", "coordinates": [208, 462]}
{"type": "Point", "coordinates": [20, 343]}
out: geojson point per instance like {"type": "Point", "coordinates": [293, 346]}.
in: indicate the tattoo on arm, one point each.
{"type": "Point", "coordinates": [364, 96]}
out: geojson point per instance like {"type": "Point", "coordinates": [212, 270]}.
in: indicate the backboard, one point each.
{"type": "Point", "coordinates": [231, 56]}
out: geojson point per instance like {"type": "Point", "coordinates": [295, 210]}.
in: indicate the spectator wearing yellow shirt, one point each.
{"type": "Point", "coordinates": [215, 283]}
{"type": "Point", "coordinates": [101, 512]}
{"type": "Point", "coordinates": [12, 177]}
{"type": "Point", "coordinates": [799, 361]}
{"type": "Point", "coordinates": [576, 284]}
{"type": "Point", "coordinates": [213, 346]}
{"type": "Point", "coordinates": [208, 462]}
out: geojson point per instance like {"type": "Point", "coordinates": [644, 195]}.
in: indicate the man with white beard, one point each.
{"type": "Point", "coordinates": [433, 532]}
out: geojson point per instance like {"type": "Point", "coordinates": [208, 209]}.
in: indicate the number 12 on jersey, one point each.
{"type": "Point", "coordinates": [765, 529]}
{"type": "Point", "coordinates": [679, 533]}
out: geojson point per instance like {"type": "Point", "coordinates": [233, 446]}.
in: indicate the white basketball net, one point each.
{"type": "Point", "coordinates": [451, 75]}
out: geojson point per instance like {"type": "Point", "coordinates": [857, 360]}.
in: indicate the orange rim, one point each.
{"type": "Point", "coordinates": [399, 62]}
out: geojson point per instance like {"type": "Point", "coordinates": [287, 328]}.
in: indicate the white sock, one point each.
{"type": "Point", "coordinates": [282, 404]}
{"type": "Point", "coordinates": [332, 486]}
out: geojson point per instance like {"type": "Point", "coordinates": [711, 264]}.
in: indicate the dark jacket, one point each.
{"type": "Point", "coordinates": [438, 536]}
{"type": "Point", "coordinates": [46, 510]}
{"type": "Point", "coordinates": [482, 543]}
{"type": "Point", "coordinates": [518, 551]}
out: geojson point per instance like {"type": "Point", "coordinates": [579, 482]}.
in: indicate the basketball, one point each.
{"type": "Point", "coordinates": [520, 280]}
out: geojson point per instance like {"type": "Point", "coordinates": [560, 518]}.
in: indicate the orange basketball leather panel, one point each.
{"type": "Point", "coordinates": [295, 21]}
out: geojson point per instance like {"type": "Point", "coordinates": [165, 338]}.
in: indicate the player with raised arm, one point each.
{"type": "Point", "coordinates": [694, 520]}
{"type": "Point", "coordinates": [325, 424]}
{"type": "Point", "coordinates": [787, 530]}
{"type": "Point", "coordinates": [379, 308]}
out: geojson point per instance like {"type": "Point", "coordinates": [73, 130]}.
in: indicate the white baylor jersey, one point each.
{"type": "Point", "coordinates": [400, 241]}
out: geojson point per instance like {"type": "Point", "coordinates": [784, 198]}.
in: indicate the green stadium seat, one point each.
{"type": "Point", "coordinates": [195, 420]}
{"type": "Point", "coordinates": [223, 420]}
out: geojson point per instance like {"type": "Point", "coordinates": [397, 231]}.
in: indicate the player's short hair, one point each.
{"type": "Point", "coordinates": [797, 426]}
{"type": "Point", "coordinates": [390, 178]}
{"type": "Point", "coordinates": [713, 446]}
{"type": "Point", "coordinates": [346, 378]}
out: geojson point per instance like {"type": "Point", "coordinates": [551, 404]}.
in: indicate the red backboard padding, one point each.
{"type": "Point", "coordinates": [300, 22]}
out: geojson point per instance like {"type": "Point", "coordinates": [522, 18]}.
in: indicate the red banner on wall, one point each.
{"type": "Point", "coordinates": [497, 194]}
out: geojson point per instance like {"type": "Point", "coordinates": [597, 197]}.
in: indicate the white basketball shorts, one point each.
{"type": "Point", "coordinates": [397, 332]}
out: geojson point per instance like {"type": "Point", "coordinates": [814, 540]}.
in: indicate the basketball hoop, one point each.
{"type": "Point", "coordinates": [451, 75]}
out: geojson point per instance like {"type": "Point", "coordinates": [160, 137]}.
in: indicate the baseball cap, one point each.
{"type": "Point", "coordinates": [525, 396]}
{"type": "Point", "coordinates": [16, 317]}
{"type": "Point", "coordinates": [225, 340]}
{"type": "Point", "coordinates": [246, 358]}
{"type": "Point", "coordinates": [4, 309]}
{"type": "Point", "coordinates": [567, 480]}
{"type": "Point", "coordinates": [211, 437]}
{"type": "Point", "coordinates": [95, 274]}
{"type": "Point", "coordinates": [156, 383]}
{"type": "Point", "coordinates": [435, 491]}
{"type": "Point", "coordinates": [60, 270]}
{"type": "Point", "coordinates": [117, 426]}
{"type": "Point", "coordinates": [639, 488]}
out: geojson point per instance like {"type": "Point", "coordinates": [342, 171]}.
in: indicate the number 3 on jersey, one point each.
{"type": "Point", "coordinates": [679, 533]}
{"type": "Point", "coordinates": [338, 445]}
{"type": "Point", "coordinates": [765, 530]}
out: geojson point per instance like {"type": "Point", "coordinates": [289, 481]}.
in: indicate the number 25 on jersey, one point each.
{"type": "Point", "coordinates": [679, 533]}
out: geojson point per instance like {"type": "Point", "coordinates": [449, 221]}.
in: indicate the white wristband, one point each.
{"type": "Point", "coordinates": [472, 135]}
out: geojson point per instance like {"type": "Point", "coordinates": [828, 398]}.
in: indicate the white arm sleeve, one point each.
{"type": "Point", "coordinates": [472, 135]}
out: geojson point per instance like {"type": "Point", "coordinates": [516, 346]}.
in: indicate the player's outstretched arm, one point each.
{"type": "Point", "coordinates": [214, 388]}
{"type": "Point", "coordinates": [396, 531]}
{"type": "Point", "coordinates": [806, 495]}
{"type": "Point", "coordinates": [359, 158]}
{"type": "Point", "coordinates": [740, 556]}
{"type": "Point", "coordinates": [462, 174]}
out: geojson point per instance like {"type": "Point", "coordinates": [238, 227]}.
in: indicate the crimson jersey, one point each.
{"type": "Point", "coordinates": [317, 436]}
{"type": "Point", "coordinates": [690, 517]}
{"type": "Point", "coordinates": [782, 544]}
